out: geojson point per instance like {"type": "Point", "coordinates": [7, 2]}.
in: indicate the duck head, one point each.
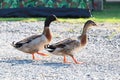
{"type": "Point", "coordinates": [89, 24]}
{"type": "Point", "coordinates": [49, 19]}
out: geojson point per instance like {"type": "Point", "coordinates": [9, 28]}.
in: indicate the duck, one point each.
{"type": "Point", "coordinates": [36, 43]}
{"type": "Point", "coordinates": [70, 46]}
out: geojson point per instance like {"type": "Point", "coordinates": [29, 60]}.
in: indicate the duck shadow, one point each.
{"type": "Point", "coordinates": [14, 62]}
{"type": "Point", "coordinates": [56, 64]}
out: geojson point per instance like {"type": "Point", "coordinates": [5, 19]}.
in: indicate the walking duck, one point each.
{"type": "Point", "coordinates": [69, 46]}
{"type": "Point", "coordinates": [36, 43]}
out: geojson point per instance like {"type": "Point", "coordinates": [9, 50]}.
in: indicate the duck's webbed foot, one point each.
{"type": "Point", "coordinates": [42, 54]}
{"type": "Point", "coordinates": [74, 59]}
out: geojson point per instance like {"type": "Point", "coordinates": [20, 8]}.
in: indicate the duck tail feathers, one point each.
{"type": "Point", "coordinates": [13, 44]}
{"type": "Point", "coordinates": [50, 48]}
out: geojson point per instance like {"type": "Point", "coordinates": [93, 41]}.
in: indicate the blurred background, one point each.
{"type": "Point", "coordinates": [61, 8]}
{"type": "Point", "coordinates": [84, 4]}
{"type": "Point", "coordinates": [91, 4]}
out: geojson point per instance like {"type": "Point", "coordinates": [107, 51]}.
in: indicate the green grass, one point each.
{"type": "Point", "coordinates": [111, 13]}
{"type": "Point", "coordinates": [22, 19]}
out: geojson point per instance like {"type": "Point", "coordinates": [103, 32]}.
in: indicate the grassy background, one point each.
{"type": "Point", "coordinates": [111, 13]}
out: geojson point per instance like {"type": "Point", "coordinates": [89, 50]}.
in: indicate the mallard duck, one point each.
{"type": "Point", "coordinates": [70, 46]}
{"type": "Point", "coordinates": [34, 44]}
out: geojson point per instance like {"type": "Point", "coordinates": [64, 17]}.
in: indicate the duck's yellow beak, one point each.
{"type": "Point", "coordinates": [57, 20]}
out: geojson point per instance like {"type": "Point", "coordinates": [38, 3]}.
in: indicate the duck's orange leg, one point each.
{"type": "Point", "coordinates": [42, 54]}
{"type": "Point", "coordinates": [74, 59]}
{"type": "Point", "coordinates": [65, 60]}
{"type": "Point", "coordinates": [33, 57]}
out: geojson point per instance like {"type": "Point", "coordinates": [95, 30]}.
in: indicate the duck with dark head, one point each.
{"type": "Point", "coordinates": [35, 43]}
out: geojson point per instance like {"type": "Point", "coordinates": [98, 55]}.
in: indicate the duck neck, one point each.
{"type": "Point", "coordinates": [47, 33]}
{"type": "Point", "coordinates": [83, 37]}
{"type": "Point", "coordinates": [47, 23]}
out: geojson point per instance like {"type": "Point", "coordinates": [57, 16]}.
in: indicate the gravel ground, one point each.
{"type": "Point", "coordinates": [101, 56]}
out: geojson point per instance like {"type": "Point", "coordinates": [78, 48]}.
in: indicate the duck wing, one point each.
{"type": "Point", "coordinates": [61, 44]}
{"type": "Point", "coordinates": [24, 41]}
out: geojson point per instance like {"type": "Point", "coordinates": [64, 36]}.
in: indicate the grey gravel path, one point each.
{"type": "Point", "coordinates": [101, 56]}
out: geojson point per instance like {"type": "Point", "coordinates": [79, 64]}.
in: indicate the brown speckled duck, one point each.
{"type": "Point", "coordinates": [36, 43]}
{"type": "Point", "coordinates": [70, 46]}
